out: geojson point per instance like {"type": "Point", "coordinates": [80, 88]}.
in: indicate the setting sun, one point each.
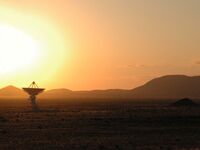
{"type": "Point", "coordinates": [29, 46]}
{"type": "Point", "coordinates": [17, 49]}
{"type": "Point", "coordinates": [100, 74]}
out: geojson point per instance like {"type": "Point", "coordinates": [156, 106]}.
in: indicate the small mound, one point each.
{"type": "Point", "coordinates": [2, 119]}
{"type": "Point", "coordinates": [186, 102]}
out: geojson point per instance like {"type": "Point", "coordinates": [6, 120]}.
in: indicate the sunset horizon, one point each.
{"type": "Point", "coordinates": [93, 89]}
{"type": "Point", "coordinates": [99, 74]}
{"type": "Point", "coordinates": [85, 45]}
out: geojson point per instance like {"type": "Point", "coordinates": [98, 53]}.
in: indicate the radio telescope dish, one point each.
{"type": "Point", "coordinates": [33, 90]}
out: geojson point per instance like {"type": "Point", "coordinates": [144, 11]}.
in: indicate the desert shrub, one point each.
{"type": "Point", "coordinates": [3, 119]}
{"type": "Point", "coordinates": [3, 131]}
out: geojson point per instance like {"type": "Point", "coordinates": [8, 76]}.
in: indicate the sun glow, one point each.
{"type": "Point", "coordinates": [17, 49]}
{"type": "Point", "coordinates": [31, 48]}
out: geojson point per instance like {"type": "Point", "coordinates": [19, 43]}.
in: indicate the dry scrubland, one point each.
{"type": "Point", "coordinates": [100, 125]}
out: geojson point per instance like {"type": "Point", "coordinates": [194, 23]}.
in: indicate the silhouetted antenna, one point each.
{"type": "Point", "coordinates": [33, 90]}
{"type": "Point", "coordinates": [33, 85]}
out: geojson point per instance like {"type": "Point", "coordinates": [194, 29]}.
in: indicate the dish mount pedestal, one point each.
{"type": "Point", "coordinates": [33, 90]}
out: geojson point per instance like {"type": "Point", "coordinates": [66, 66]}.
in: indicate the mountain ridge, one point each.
{"type": "Point", "coordinates": [168, 86]}
{"type": "Point", "coordinates": [12, 91]}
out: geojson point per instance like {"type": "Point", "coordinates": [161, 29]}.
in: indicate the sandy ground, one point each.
{"type": "Point", "coordinates": [98, 126]}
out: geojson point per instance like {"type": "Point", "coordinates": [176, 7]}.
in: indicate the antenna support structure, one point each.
{"type": "Point", "coordinates": [33, 90]}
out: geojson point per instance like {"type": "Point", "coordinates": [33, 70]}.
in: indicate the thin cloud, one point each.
{"type": "Point", "coordinates": [132, 66]}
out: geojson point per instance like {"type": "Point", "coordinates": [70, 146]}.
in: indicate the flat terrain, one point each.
{"type": "Point", "coordinates": [98, 126]}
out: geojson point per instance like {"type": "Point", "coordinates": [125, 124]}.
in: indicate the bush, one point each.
{"type": "Point", "coordinates": [3, 119]}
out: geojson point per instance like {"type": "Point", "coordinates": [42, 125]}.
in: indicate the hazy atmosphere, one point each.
{"type": "Point", "coordinates": [100, 74]}
{"type": "Point", "coordinates": [98, 44]}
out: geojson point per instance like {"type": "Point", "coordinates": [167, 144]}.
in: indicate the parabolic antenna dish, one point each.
{"type": "Point", "coordinates": [33, 91]}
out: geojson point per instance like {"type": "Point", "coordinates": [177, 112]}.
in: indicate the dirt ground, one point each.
{"type": "Point", "coordinates": [98, 126]}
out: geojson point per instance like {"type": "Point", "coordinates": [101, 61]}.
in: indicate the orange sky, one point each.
{"type": "Point", "coordinates": [92, 44]}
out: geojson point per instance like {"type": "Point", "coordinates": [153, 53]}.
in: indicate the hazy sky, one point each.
{"type": "Point", "coordinates": [118, 43]}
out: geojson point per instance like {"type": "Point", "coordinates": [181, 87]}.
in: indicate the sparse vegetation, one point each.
{"type": "Point", "coordinates": [3, 119]}
{"type": "Point", "coordinates": [99, 126]}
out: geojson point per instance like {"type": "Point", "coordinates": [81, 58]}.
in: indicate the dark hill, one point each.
{"type": "Point", "coordinates": [171, 86]}
{"type": "Point", "coordinates": [56, 93]}
{"type": "Point", "coordinates": [166, 87]}
{"type": "Point", "coordinates": [185, 103]}
{"type": "Point", "coordinates": [11, 92]}
{"type": "Point", "coordinates": [96, 94]}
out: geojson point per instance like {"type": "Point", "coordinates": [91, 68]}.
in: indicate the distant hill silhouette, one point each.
{"type": "Point", "coordinates": [97, 94]}
{"type": "Point", "coordinates": [12, 92]}
{"type": "Point", "coordinates": [170, 86]}
{"type": "Point", "coordinates": [57, 93]}
{"type": "Point", "coordinates": [185, 102]}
